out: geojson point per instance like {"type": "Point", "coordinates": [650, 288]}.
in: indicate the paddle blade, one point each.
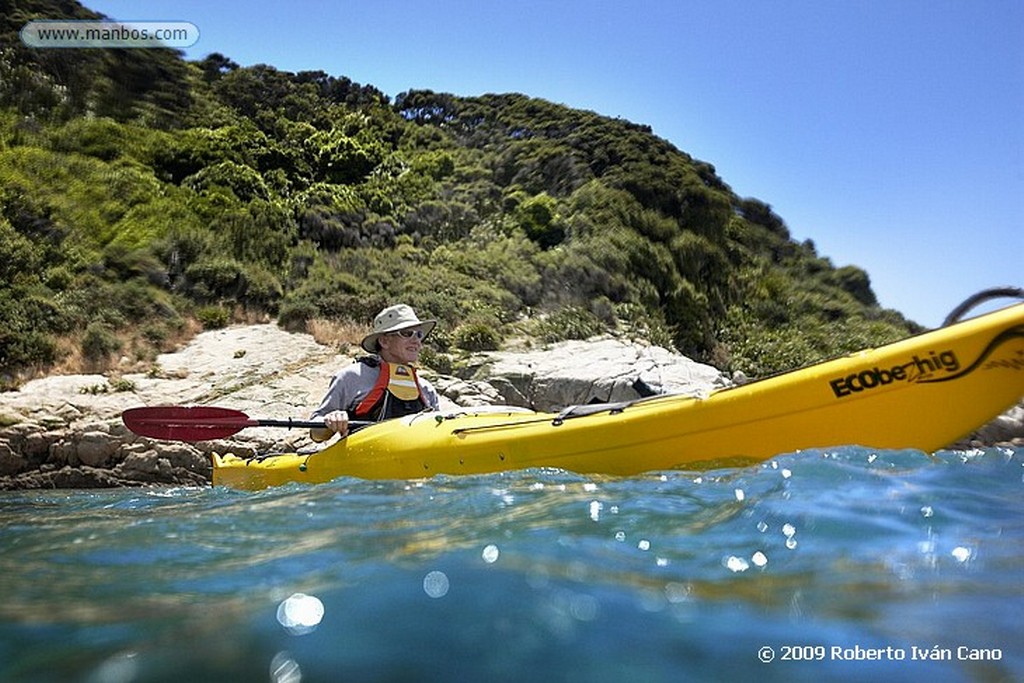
{"type": "Point", "coordinates": [186, 423]}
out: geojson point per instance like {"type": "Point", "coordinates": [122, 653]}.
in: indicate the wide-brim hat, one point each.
{"type": "Point", "coordinates": [393, 319]}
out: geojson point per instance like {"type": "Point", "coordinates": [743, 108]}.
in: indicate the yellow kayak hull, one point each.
{"type": "Point", "coordinates": [924, 393]}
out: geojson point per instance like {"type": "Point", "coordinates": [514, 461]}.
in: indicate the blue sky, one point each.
{"type": "Point", "coordinates": [889, 132]}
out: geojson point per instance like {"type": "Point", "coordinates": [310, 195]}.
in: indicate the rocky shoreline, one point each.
{"type": "Point", "coordinates": [66, 432]}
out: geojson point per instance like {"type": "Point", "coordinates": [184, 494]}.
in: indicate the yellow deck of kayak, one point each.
{"type": "Point", "coordinates": [924, 392]}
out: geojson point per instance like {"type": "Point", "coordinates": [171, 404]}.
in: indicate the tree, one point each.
{"type": "Point", "coordinates": [215, 65]}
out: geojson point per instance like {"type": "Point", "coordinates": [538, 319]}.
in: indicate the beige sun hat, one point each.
{"type": "Point", "coordinates": [393, 319]}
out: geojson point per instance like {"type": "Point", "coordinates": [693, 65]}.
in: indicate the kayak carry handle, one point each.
{"type": "Point", "coordinates": [981, 297]}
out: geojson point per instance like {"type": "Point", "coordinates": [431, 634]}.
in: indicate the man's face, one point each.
{"type": "Point", "coordinates": [403, 346]}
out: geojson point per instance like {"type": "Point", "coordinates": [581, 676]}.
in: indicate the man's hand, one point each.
{"type": "Point", "coordinates": [335, 422]}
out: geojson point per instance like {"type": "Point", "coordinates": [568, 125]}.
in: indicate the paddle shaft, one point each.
{"type": "Point", "coordinates": [289, 423]}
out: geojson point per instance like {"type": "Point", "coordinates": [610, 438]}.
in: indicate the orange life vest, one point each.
{"type": "Point", "coordinates": [397, 392]}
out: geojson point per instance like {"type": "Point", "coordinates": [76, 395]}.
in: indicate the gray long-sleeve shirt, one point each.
{"type": "Point", "coordinates": [353, 383]}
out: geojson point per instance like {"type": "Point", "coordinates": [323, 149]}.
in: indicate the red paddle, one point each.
{"type": "Point", "coordinates": [200, 423]}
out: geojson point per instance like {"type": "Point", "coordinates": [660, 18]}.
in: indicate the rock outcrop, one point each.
{"type": "Point", "coordinates": [596, 371]}
{"type": "Point", "coordinates": [66, 431]}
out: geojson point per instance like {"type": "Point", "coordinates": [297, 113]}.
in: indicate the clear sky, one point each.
{"type": "Point", "coordinates": [889, 132]}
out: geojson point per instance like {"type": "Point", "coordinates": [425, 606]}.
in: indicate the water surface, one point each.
{"type": "Point", "coordinates": [829, 563]}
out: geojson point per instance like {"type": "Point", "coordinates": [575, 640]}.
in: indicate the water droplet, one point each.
{"type": "Point", "coordinates": [644, 545]}
{"type": "Point", "coordinates": [678, 592]}
{"type": "Point", "coordinates": [121, 668]}
{"type": "Point", "coordinates": [762, 526]}
{"type": "Point", "coordinates": [595, 510]}
{"type": "Point", "coordinates": [736, 564]}
{"type": "Point", "coordinates": [962, 554]}
{"type": "Point", "coordinates": [739, 494]}
{"type": "Point", "coordinates": [927, 511]}
{"type": "Point", "coordinates": [790, 542]}
{"type": "Point", "coordinates": [759, 559]}
{"type": "Point", "coordinates": [435, 584]}
{"type": "Point", "coordinates": [300, 614]}
{"type": "Point", "coordinates": [620, 536]}
{"type": "Point", "coordinates": [284, 669]}
{"type": "Point", "coordinates": [490, 554]}
{"type": "Point", "coordinates": [583, 607]}
{"type": "Point", "coordinates": [786, 474]}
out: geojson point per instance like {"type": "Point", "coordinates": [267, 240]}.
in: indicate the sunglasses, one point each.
{"type": "Point", "coordinates": [408, 334]}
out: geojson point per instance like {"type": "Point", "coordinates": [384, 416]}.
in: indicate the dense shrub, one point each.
{"type": "Point", "coordinates": [476, 336]}
{"type": "Point", "coordinates": [99, 341]}
{"type": "Point", "coordinates": [243, 181]}
{"type": "Point", "coordinates": [294, 315]}
{"type": "Point", "coordinates": [23, 349]}
{"type": "Point", "coordinates": [213, 317]}
{"type": "Point", "coordinates": [212, 278]}
{"type": "Point", "coordinates": [539, 219]}
{"type": "Point", "coordinates": [570, 323]}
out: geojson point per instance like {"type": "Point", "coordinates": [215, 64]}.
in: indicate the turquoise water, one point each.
{"type": "Point", "coordinates": [839, 561]}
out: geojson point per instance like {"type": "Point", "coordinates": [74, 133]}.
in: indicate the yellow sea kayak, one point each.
{"type": "Point", "coordinates": [923, 392]}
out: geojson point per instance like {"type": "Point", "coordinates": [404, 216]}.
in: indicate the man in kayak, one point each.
{"type": "Point", "coordinates": [383, 385]}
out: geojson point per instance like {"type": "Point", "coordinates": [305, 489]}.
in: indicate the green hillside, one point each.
{"type": "Point", "coordinates": [141, 193]}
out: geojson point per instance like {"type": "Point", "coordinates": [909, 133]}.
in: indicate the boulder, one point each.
{"type": "Point", "coordinates": [95, 448]}
{"type": "Point", "coordinates": [597, 371]}
{"type": "Point", "coordinates": [11, 462]}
